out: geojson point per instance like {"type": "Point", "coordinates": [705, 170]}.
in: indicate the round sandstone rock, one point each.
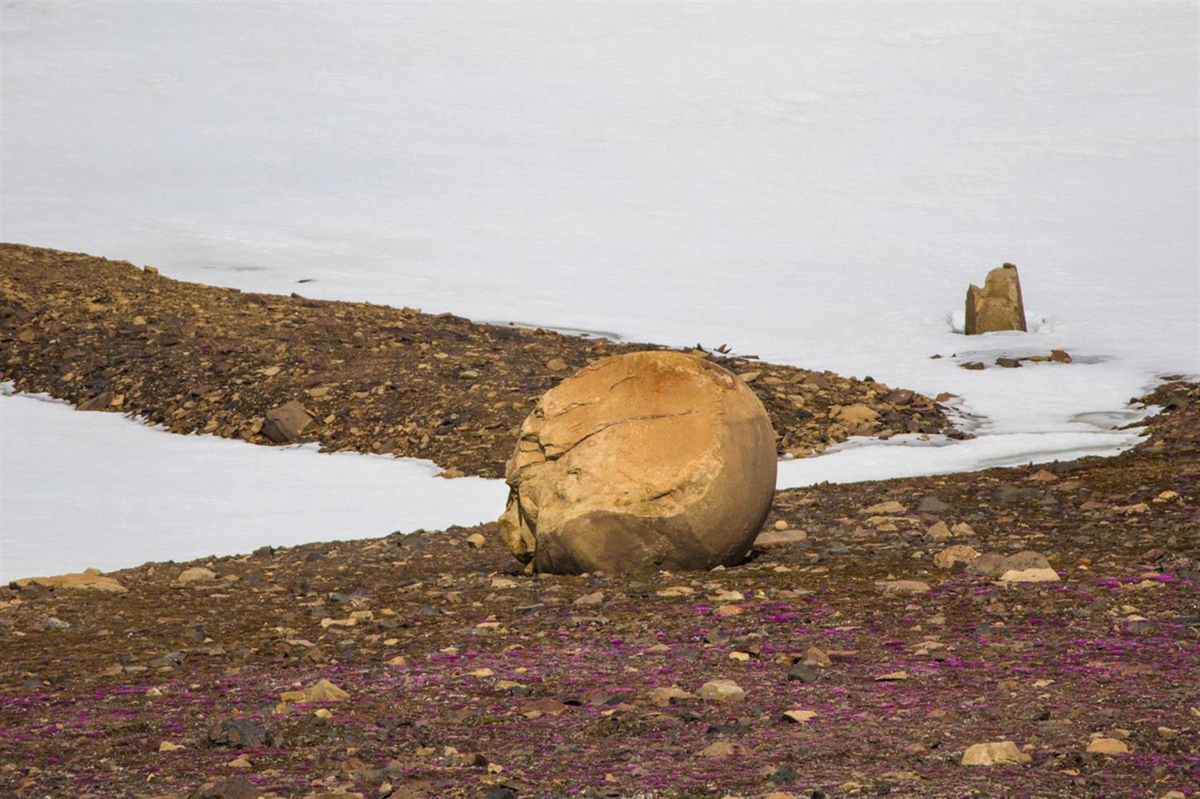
{"type": "Point", "coordinates": [650, 460]}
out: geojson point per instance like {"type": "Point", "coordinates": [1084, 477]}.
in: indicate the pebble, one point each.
{"type": "Point", "coordinates": [799, 716]}
{"type": "Point", "coordinates": [476, 541]}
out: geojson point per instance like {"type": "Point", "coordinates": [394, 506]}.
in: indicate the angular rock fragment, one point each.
{"type": "Point", "coordinates": [285, 423]}
{"type": "Point", "coordinates": [998, 753]}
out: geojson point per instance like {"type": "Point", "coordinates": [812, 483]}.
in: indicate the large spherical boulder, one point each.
{"type": "Point", "coordinates": [650, 460]}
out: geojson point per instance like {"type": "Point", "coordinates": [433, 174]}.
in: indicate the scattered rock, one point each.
{"type": "Point", "coordinates": [893, 676]}
{"type": "Point", "coordinates": [285, 424]}
{"type": "Point", "coordinates": [718, 749]}
{"type": "Point", "coordinates": [959, 554]}
{"type": "Point", "coordinates": [722, 691]}
{"type": "Point", "coordinates": [82, 581]}
{"type": "Point", "coordinates": [196, 574]}
{"type": "Point", "coordinates": [1046, 575]}
{"type": "Point", "coordinates": [902, 586]}
{"type": "Point", "coordinates": [1107, 746]}
{"type": "Point", "coordinates": [932, 504]}
{"type": "Point", "coordinates": [239, 733]}
{"type": "Point", "coordinates": [228, 788]}
{"type": "Point", "coordinates": [476, 541]}
{"type": "Point", "coordinates": [590, 599]}
{"type": "Point", "coordinates": [999, 753]}
{"type": "Point", "coordinates": [799, 716]}
{"type": "Point", "coordinates": [777, 537]}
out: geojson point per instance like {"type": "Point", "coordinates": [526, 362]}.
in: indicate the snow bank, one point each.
{"type": "Point", "coordinates": [84, 489]}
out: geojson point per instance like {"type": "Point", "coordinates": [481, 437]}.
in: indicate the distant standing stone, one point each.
{"type": "Point", "coordinates": [998, 305]}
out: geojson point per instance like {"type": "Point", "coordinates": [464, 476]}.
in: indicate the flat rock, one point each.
{"type": "Point", "coordinates": [80, 581]}
{"type": "Point", "coordinates": [997, 753]}
{"type": "Point", "coordinates": [774, 538]}
{"type": "Point", "coordinates": [902, 586]}
{"type": "Point", "coordinates": [1108, 746]}
{"type": "Point", "coordinates": [952, 556]}
{"type": "Point", "coordinates": [722, 691]}
{"type": "Point", "coordinates": [196, 574]}
{"type": "Point", "coordinates": [1046, 575]}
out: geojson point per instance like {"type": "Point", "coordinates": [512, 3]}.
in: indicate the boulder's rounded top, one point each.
{"type": "Point", "coordinates": [634, 461]}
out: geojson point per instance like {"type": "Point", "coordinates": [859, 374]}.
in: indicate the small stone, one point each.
{"type": "Point", "coordinates": [802, 673]}
{"type": "Point", "coordinates": [1046, 575]}
{"type": "Point", "coordinates": [196, 574]}
{"type": "Point", "coordinates": [781, 525]}
{"type": "Point", "coordinates": [999, 753]}
{"type": "Point", "coordinates": [586, 600]}
{"type": "Point", "coordinates": [817, 657]}
{"type": "Point", "coordinates": [556, 365]}
{"type": "Point", "coordinates": [1107, 746]}
{"type": "Point", "coordinates": [799, 716]}
{"type": "Point", "coordinates": [167, 746]}
{"type": "Point", "coordinates": [476, 540]}
{"type": "Point", "coordinates": [894, 676]}
{"type": "Point", "coordinates": [662, 697]}
{"type": "Point", "coordinates": [902, 587]}
{"type": "Point", "coordinates": [1008, 363]}
{"type": "Point", "coordinates": [1060, 356]}
{"type": "Point", "coordinates": [727, 610]}
{"type": "Point", "coordinates": [1167, 733]}
{"type": "Point", "coordinates": [889, 508]}
{"type": "Point", "coordinates": [722, 691]}
{"type": "Point", "coordinates": [285, 423]}
{"type": "Point", "coordinates": [932, 505]}
{"type": "Point", "coordinates": [719, 749]}
{"type": "Point", "coordinates": [500, 583]}
{"type": "Point", "coordinates": [779, 537]}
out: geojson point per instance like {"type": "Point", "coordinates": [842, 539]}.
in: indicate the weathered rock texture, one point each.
{"type": "Point", "coordinates": [998, 305]}
{"type": "Point", "coordinates": [651, 460]}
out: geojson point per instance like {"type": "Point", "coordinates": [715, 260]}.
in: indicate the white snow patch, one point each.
{"type": "Point", "coordinates": [81, 490]}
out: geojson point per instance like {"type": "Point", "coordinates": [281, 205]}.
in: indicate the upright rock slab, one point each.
{"type": "Point", "coordinates": [998, 305]}
{"type": "Point", "coordinates": [649, 460]}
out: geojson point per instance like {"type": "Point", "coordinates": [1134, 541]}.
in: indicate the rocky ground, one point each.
{"type": "Point", "coordinates": [107, 335]}
{"type": "Point", "coordinates": [878, 634]}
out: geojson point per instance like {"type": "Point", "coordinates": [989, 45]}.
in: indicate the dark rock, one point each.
{"type": "Point", "coordinates": [932, 504]}
{"type": "Point", "coordinates": [228, 788]}
{"type": "Point", "coordinates": [1008, 363]}
{"type": "Point", "coordinates": [802, 673]}
{"type": "Point", "coordinates": [98, 402]}
{"type": "Point", "coordinates": [239, 733]}
{"type": "Point", "coordinates": [285, 423]}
